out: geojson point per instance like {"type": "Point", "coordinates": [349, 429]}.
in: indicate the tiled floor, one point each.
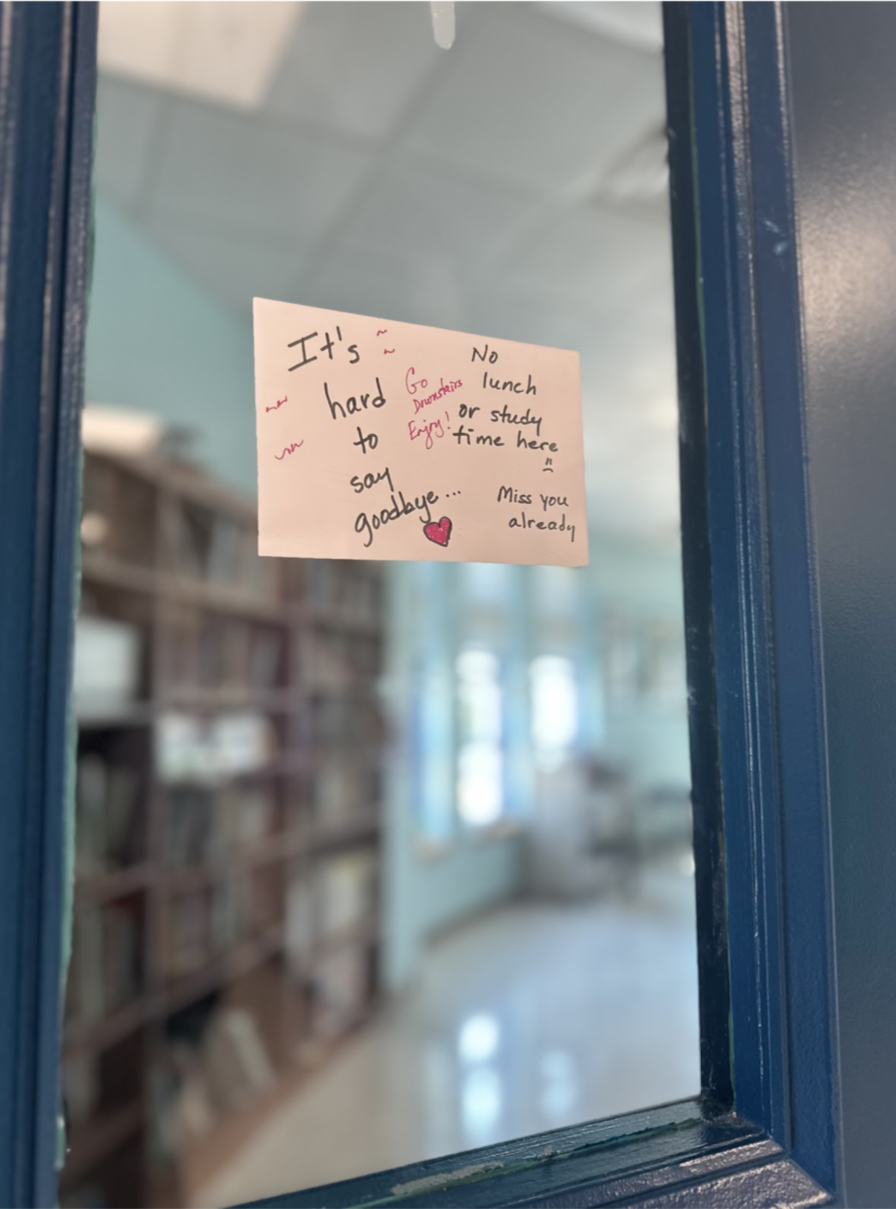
{"type": "Point", "coordinates": [534, 1017]}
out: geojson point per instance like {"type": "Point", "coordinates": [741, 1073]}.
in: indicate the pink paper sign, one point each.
{"type": "Point", "coordinates": [389, 440]}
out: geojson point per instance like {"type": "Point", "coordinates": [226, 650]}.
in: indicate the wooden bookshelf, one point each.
{"type": "Point", "coordinates": [228, 842]}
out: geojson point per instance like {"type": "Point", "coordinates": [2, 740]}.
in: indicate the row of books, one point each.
{"type": "Point", "coordinates": [209, 545]}
{"type": "Point", "coordinates": [341, 791]}
{"type": "Point", "coordinates": [338, 661]}
{"type": "Point", "coordinates": [344, 724]}
{"type": "Point", "coordinates": [203, 542]}
{"type": "Point", "coordinates": [118, 517]}
{"type": "Point", "coordinates": [204, 824]}
{"type": "Point", "coordinates": [209, 652]}
{"type": "Point", "coordinates": [197, 541]}
{"type": "Point", "coordinates": [205, 821]}
{"type": "Point", "coordinates": [338, 591]}
{"type": "Point", "coordinates": [200, 925]}
{"type": "Point", "coordinates": [213, 1066]}
{"type": "Point", "coordinates": [109, 822]}
{"type": "Point", "coordinates": [194, 748]}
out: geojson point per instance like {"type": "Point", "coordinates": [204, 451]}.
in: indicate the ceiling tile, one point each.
{"type": "Point", "coordinates": [599, 258]}
{"type": "Point", "coordinates": [353, 67]}
{"type": "Point", "coordinates": [128, 117]}
{"type": "Point", "coordinates": [235, 267]}
{"type": "Point", "coordinates": [555, 322]}
{"type": "Point", "coordinates": [537, 104]}
{"type": "Point", "coordinates": [226, 168]}
{"type": "Point", "coordinates": [425, 288]}
{"type": "Point", "coordinates": [418, 212]}
{"type": "Point", "coordinates": [637, 25]}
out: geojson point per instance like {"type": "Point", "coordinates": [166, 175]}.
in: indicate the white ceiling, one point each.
{"type": "Point", "coordinates": [508, 186]}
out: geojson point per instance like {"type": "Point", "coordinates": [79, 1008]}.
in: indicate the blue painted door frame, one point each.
{"type": "Point", "coordinates": [783, 159]}
{"type": "Point", "coordinates": [47, 89]}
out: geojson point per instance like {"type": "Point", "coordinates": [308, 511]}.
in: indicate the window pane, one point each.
{"type": "Point", "coordinates": [398, 854]}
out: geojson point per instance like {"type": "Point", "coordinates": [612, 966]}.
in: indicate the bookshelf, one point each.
{"type": "Point", "coordinates": [226, 924]}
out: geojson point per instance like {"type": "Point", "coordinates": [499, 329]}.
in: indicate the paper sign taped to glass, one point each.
{"type": "Point", "coordinates": [389, 440]}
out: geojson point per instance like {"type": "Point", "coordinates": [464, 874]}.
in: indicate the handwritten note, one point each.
{"type": "Point", "coordinates": [391, 440]}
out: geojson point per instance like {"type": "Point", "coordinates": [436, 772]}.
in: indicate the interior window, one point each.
{"type": "Point", "coordinates": [374, 862]}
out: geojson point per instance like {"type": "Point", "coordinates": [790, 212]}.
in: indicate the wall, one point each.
{"type": "Point", "coordinates": [642, 581]}
{"type": "Point", "coordinates": [425, 895]}
{"type": "Point", "coordinates": [158, 342]}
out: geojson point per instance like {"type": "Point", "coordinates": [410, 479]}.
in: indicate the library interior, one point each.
{"type": "Point", "coordinates": [371, 861]}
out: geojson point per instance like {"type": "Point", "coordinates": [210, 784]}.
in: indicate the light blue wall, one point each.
{"type": "Point", "coordinates": [643, 581]}
{"type": "Point", "coordinates": [426, 895]}
{"type": "Point", "coordinates": [158, 342]}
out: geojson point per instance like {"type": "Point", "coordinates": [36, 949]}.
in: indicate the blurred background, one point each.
{"type": "Point", "coordinates": [371, 863]}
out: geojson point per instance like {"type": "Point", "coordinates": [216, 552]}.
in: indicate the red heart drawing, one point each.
{"type": "Point", "coordinates": [438, 531]}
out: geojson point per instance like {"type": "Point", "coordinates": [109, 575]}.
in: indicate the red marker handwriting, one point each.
{"type": "Point", "coordinates": [411, 385]}
{"type": "Point", "coordinates": [279, 403]}
{"type": "Point", "coordinates": [430, 430]}
{"type": "Point", "coordinates": [291, 449]}
{"type": "Point", "coordinates": [388, 350]}
{"type": "Point", "coordinates": [445, 388]}
{"type": "Point", "coordinates": [382, 331]}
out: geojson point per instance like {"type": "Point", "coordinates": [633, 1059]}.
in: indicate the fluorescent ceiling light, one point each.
{"type": "Point", "coordinates": [225, 52]}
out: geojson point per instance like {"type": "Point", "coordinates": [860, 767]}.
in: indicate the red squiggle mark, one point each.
{"type": "Point", "coordinates": [279, 403]}
{"type": "Point", "coordinates": [292, 448]}
{"type": "Point", "coordinates": [388, 350]}
{"type": "Point", "coordinates": [382, 331]}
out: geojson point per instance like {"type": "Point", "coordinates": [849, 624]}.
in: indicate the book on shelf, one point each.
{"type": "Point", "coordinates": [341, 991]}
{"type": "Point", "coordinates": [121, 956]}
{"type": "Point", "coordinates": [106, 796]}
{"type": "Point", "coordinates": [299, 930]}
{"type": "Point", "coordinates": [118, 517]}
{"type": "Point", "coordinates": [228, 915]}
{"type": "Point", "coordinates": [190, 830]}
{"type": "Point", "coordinates": [256, 814]}
{"type": "Point", "coordinates": [267, 661]}
{"type": "Point", "coordinates": [80, 1087]}
{"type": "Point", "coordinates": [193, 535]}
{"type": "Point", "coordinates": [236, 1062]}
{"type": "Point", "coordinates": [105, 966]}
{"type": "Point", "coordinates": [345, 892]}
{"type": "Point", "coordinates": [346, 723]}
{"type": "Point", "coordinates": [223, 562]}
{"type": "Point", "coordinates": [186, 935]}
{"type": "Point", "coordinates": [264, 897]}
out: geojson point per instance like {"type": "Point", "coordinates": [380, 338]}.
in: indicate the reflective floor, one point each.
{"type": "Point", "coordinates": [530, 1018]}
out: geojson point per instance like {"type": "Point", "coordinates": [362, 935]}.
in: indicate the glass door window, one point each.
{"type": "Point", "coordinates": [398, 854]}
